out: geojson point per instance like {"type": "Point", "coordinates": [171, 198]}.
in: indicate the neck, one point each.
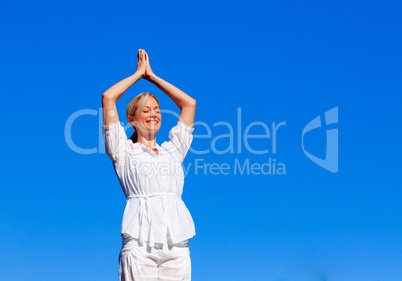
{"type": "Point", "coordinates": [151, 143]}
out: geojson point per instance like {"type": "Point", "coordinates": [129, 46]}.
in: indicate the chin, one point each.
{"type": "Point", "coordinates": [155, 129]}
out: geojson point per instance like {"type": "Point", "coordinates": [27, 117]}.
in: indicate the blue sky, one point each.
{"type": "Point", "coordinates": [286, 61]}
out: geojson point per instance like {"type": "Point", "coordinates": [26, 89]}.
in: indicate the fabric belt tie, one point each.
{"type": "Point", "coordinates": [145, 203]}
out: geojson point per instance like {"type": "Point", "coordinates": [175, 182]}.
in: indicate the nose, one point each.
{"type": "Point", "coordinates": [153, 113]}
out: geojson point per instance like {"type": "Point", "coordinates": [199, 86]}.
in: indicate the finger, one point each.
{"type": "Point", "coordinates": [146, 56]}
{"type": "Point", "coordinates": [139, 54]}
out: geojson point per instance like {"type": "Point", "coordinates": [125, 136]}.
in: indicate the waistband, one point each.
{"type": "Point", "coordinates": [128, 242]}
{"type": "Point", "coordinates": [154, 195]}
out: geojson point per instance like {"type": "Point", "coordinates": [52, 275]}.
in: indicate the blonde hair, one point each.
{"type": "Point", "coordinates": [135, 107]}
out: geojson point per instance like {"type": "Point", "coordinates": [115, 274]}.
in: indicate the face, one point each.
{"type": "Point", "coordinates": [149, 121]}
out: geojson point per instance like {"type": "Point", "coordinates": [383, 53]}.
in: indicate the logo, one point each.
{"type": "Point", "coordinates": [330, 162]}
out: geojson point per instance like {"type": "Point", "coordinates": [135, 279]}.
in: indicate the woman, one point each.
{"type": "Point", "coordinates": [156, 223]}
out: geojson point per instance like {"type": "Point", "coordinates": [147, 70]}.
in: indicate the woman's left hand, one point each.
{"type": "Point", "coordinates": [148, 71]}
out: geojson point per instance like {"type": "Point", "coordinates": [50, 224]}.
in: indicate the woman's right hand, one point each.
{"type": "Point", "coordinates": [141, 63]}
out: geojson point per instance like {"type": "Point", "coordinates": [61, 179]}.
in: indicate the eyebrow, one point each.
{"type": "Point", "coordinates": [154, 107]}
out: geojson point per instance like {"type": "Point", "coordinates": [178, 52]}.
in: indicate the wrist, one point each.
{"type": "Point", "coordinates": [138, 74]}
{"type": "Point", "coordinates": [152, 78]}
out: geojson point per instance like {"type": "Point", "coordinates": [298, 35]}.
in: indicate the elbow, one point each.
{"type": "Point", "coordinates": [106, 97]}
{"type": "Point", "coordinates": [189, 103]}
{"type": "Point", "coordinates": [107, 100]}
{"type": "Point", "coordinates": [193, 102]}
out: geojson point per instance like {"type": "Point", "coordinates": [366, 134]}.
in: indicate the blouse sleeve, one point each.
{"type": "Point", "coordinates": [181, 137]}
{"type": "Point", "coordinates": [115, 139]}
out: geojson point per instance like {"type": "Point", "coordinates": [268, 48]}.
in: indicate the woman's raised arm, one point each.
{"type": "Point", "coordinates": [112, 95]}
{"type": "Point", "coordinates": [186, 103]}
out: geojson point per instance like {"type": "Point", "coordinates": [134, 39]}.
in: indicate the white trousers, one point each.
{"type": "Point", "coordinates": [162, 262]}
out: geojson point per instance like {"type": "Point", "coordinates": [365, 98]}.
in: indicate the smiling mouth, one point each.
{"type": "Point", "coordinates": [152, 122]}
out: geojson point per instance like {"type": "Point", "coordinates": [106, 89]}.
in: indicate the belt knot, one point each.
{"type": "Point", "coordinates": [149, 211]}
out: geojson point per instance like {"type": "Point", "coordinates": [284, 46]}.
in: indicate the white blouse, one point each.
{"type": "Point", "coordinates": [153, 184]}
